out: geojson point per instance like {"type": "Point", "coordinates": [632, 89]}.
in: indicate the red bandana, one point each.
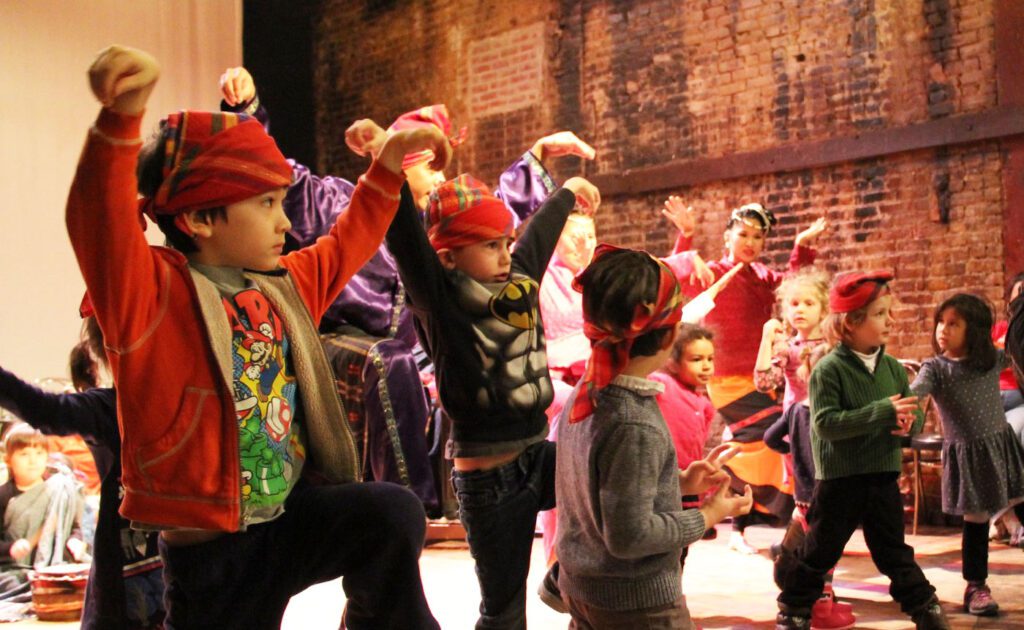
{"type": "Point", "coordinates": [463, 211]}
{"type": "Point", "coordinates": [215, 159]}
{"type": "Point", "coordinates": [610, 348]}
{"type": "Point", "coordinates": [430, 116]}
{"type": "Point", "coordinates": [854, 290]}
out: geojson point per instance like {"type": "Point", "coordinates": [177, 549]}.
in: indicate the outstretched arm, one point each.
{"type": "Point", "coordinates": [102, 212]}
{"type": "Point", "coordinates": [91, 414]}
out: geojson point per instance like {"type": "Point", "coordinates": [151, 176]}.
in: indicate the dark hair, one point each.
{"type": "Point", "coordinates": [613, 286]}
{"type": "Point", "coordinates": [687, 334]}
{"type": "Point", "coordinates": [753, 211]}
{"type": "Point", "coordinates": [977, 314]}
{"type": "Point", "coordinates": [87, 356]}
{"type": "Point", "coordinates": [150, 173]}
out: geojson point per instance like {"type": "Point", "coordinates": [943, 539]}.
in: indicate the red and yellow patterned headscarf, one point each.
{"type": "Point", "coordinates": [610, 348]}
{"type": "Point", "coordinates": [430, 116]}
{"type": "Point", "coordinates": [215, 159]}
{"type": "Point", "coordinates": [463, 211]}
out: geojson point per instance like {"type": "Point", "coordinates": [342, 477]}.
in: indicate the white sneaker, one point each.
{"type": "Point", "coordinates": [738, 543]}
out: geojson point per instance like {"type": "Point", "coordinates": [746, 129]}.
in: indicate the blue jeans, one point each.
{"type": "Point", "coordinates": [498, 507]}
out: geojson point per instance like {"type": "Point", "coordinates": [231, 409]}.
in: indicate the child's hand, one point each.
{"type": "Point", "coordinates": [122, 78]}
{"type": "Point", "coordinates": [680, 215]}
{"type": "Point", "coordinates": [808, 236]}
{"type": "Point", "coordinates": [906, 409]}
{"type": "Point", "coordinates": [20, 550]}
{"type": "Point", "coordinates": [365, 137]}
{"type": "Point", "coordinates": [771, 329]}
{"type": "Point", "coordinates": [703, 474]}
{"type": "Point", "coordinates": [588, 197]}
{"type": "Point", "coordinates": [702, 274]}
{"type": "Point", "coordinates": [723, 504]}
{"type": "Point", "coordinates": [561, 143]}
{"type": "Point", "coordinates": [401, 143]}
{"type": "Point", "coordinates": [78, 549]}
{"type": "Point", "coordinates": [237, 86]}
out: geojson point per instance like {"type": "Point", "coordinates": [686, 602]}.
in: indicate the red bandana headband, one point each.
{"type": "Point", "coordinates": [610, 348]}
{"type": "Point", "coordinates": [855, 290]}
{"type": "Point", "coordinates": [430, 116]}
{"type": "Point", "coordinates": [463, 211]}
{"type": "Point", "coordinates": [215, 159]}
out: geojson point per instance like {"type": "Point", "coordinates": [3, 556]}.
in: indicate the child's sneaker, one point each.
{"type": "Point", "coordinates": [549, 592]}
{"type": "Point", "coordinates": [792, 621]}
{"type": "Point", "coordinates": [978, 601]}
{"type": "Point", "coordinates": [930, 617]}
{"type": "Point", "coordinates": [825, 615]}
{"type": "Point", "coordinates": [738, 543]}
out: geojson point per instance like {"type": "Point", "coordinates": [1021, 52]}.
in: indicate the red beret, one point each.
{"type": "Point", "coordinates": [854, 290]}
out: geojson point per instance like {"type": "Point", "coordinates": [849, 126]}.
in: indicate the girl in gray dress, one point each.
{"type": "Point", "coordinates": [983, 462]}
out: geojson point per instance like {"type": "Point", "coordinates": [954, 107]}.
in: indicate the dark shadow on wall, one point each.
{"type": "Point", "coordinates": [277, 50]}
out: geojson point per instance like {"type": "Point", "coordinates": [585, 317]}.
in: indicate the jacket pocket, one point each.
{"type": "Point", "coordinates": [160, 462]}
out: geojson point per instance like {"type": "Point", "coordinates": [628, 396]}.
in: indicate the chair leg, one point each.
{"type": "Point", "coordinates": [917, 490]}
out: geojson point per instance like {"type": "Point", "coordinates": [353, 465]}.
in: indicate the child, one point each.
{"type": "Point", "coordinates": [784, 359]}
{"type": "Point", "coordinates": [982, 460]}
{"type": "Point", "coordinates": [621, 524]}
{"type": "Point", "coordinates": [804, 304]}
{"type": "Point", "coordinates": [390, 393]}
{"type": "Point", "coordinates": [226, 326]}
{"type": "Point", "coordinates": [748, 299]}
{"type": "Point", "coordinates": [683, 403]}
{"type": "Point", "coordinates": [125, 588]}
{"type": "Point", "coordinates": [476, 314]}
{"type": "Point", "coordinates": [861, 405]}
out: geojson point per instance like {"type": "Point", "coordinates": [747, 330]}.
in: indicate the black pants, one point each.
{"type": "Point", "coordinates": [498, 508]}
{"type": "Point", "coordinates": [839, 505]}
{"type": "Point", "coordinates": [371, 534]}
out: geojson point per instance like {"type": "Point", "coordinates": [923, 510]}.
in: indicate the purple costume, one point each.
{"type": "Point", "coordinates": [369, 319]}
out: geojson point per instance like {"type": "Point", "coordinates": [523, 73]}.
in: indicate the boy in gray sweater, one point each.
{"type": "Point", "coordinates": [620, 523]}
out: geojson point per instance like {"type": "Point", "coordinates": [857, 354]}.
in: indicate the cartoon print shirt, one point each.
{"type": "Point", "coordinates": [272, 447]}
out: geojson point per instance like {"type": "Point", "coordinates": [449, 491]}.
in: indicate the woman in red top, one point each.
{"type": "Point", "coordinates": [741, 309]}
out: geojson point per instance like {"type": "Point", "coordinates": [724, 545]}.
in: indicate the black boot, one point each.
{"type": "Point", "coordinates": [930, 617]}
{"type": "Point", "coordinates": [793, 619]}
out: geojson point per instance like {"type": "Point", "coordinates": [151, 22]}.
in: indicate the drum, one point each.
{"type": "Point", "coordinates": [58, 592]}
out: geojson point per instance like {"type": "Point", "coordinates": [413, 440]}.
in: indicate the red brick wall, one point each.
{"type": "Point", "coordinates": [648, 82]}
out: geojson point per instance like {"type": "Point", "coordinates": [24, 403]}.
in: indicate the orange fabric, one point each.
{"type": "Point", "coordinates": [75, 449]}
{"type": "Point", "coordinates": [179, 430]}
{"type": "Point", "coordinates": [723, 390]}
{"type": "Point", "coordinates": [759, 465]}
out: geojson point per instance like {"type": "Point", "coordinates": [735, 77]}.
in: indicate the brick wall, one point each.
{"type": "Point", "coordinates": [649, 82]}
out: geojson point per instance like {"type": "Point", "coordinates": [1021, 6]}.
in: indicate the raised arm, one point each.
{"type": "Point", "coordinates": [527, 184]}
{"type": "Point", "coordinates": [533, 250]}
{"type": "Point", "coordinates": [102, 212]}
{"type": "Point", "coordinates": [421, 271]}
{"type": "Point", "coordinates": [322, 270]}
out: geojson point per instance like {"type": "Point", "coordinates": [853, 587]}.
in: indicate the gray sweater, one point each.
{"type": "Point", "coordinates": [621, 526]}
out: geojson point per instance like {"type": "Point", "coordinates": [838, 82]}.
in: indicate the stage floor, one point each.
{"type": "Point", "coordinates": [724, 589]}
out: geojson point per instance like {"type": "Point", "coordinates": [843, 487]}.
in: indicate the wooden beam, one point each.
{"type": "Point", "coordinates": [998, 123]}
{"type": "Point", "coordinates": [1009, 42]}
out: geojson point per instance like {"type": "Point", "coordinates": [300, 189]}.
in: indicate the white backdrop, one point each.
{"type": "Point", "coordinates": [45, 110]}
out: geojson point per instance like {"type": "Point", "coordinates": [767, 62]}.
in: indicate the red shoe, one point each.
{"type": "Point", "coordinates": [825, 616]}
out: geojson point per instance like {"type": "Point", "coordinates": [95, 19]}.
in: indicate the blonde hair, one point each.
{"type": "Point", "coordinates": [817, 281]}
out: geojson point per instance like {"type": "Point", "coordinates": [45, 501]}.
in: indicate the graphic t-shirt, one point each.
{"type": "Point", "coordinates": [272, 447]}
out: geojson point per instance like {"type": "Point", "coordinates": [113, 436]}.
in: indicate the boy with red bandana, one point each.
{"type": "Point", "coordinates": [220, 452]}
{"type": "Point", "coordinates": [475, 302]}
